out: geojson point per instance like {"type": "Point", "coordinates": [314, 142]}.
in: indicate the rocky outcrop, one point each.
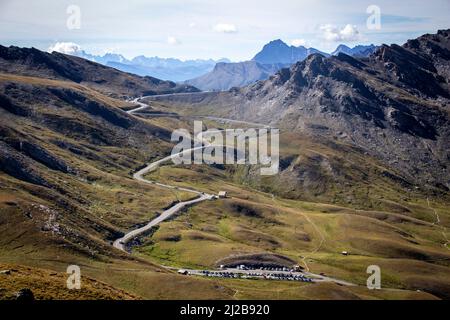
{"type": "Point", "coordinates": [19, 166]}
{"type": "Point", "coordinates": [394, 104]}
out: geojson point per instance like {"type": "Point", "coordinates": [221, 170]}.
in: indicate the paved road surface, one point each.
{"type": "Point", "coordinates": [142, 106]}
{"type": "Point", "coordinates": [121, 243]}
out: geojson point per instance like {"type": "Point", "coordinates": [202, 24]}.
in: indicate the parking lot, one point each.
{"type": "Point", "coordinates": [242, 272]}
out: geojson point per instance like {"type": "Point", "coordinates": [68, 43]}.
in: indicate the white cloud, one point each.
{"type": "Point", "coordinates": [334, 33]}
{"type": "Point", "coordinates": [173, 41]}
{"type": "Point", "coordinates": [225, 28]}
{"type": "Point", "coordinates": [65, 47]}
{"type": "Point", "coordinates": [192, 25]}
{"type": "Point", "coordinates": [298, 42]}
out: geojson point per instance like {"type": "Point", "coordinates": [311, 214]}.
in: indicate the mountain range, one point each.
{"type": "Point", "coordinates": [357, 51]}
{"type": "Point", "coordinates": [391, 104]}
{"type": "Point", "coordinates": [218, 75]}
{"type": "Point", "coordinates": [161, 68]}
{"type": "Point", "coordinates": [273, 57]}
{"type": "Point", "coordinates": [364, 169]}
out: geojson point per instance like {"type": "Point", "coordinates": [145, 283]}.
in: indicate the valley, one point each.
{"type": "Point", "coordinates": [121, 243]}
{"type": "Point", "coordinates": [86, 178]}
{"type": "Point", "coordinates": [170, 251]}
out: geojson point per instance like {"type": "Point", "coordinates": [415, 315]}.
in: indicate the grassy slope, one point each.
{"type": "Point", "coordinates": [395, 231]}
{"type": "Point", "coordinates": [47, 284]}
{"type": "Point", "coordinates": [382, 225]}
{"type": "Point", "coordinates": [75, 220]}
{"type": "Point", "coordinates": [409, 251]}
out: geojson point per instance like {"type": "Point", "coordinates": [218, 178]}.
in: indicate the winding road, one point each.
{"type": "Point", "coordinates": [143, 106]}
{"type": "Point", "coordinates": [121, 243]}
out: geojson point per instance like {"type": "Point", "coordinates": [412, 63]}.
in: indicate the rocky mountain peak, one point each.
{"type": "Point", "coordinates": [279, 52]}
{"type": "Point", "coordinates": [275, 44]}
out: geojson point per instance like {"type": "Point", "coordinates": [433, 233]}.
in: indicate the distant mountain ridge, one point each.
{"type": "Point", "coordinates": [105, 59]}
{"type": "Point", "coordinates": [272, 58]}
{"type": "Point", "coordinates": [357, 51]}
{"type": "Point", "coordinates": [162, 68]}
{"type": "Point", "coordinates": [218, 75]}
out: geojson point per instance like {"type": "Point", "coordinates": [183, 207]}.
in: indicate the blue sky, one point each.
{"type": "Point", "coordinates": [236, 29]}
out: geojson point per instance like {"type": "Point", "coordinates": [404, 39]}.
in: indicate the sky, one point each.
{"type": "Point", "coordinates": [202, 29]}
